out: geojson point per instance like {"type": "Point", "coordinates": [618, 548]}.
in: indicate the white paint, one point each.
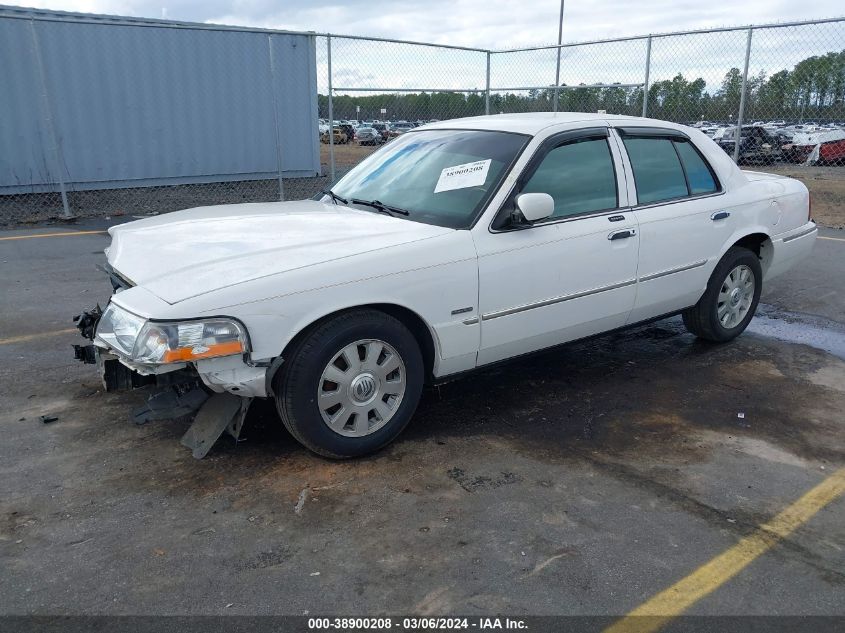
{"type": "Point", "coordinates": [278, 267]}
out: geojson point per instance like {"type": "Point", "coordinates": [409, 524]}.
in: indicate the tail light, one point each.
{"type": "Point", "coordinates": [809, 207]}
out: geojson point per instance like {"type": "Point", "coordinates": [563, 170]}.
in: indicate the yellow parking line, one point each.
{"type": "Point", "coordinates": [31, 337]}
{"type": "Point", "coordinates": [65, 234]}
{"type": "Point", "coordinates": [835, 239]}
{"type": "Point", "coordinates": [670, 603]}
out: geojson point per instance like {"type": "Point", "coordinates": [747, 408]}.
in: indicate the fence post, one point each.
{"type": "Point", "coordinates": [487, 90]}
{"type": "Point", "coordinates": [58, 164]}
{"type": "Point", "coordinates": [331, 111]}
{"type": "Point", "coordinates": [647, 72]}
{"type": "Point", "coordinates": [557, 68]}
{"type": "Point", "coordinates": [276, 115]}
{"type": "Point", "coordinates": [741, 113]}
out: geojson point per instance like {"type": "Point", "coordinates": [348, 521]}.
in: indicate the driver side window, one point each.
{"type": "Point", "coordinates": [579, 176]}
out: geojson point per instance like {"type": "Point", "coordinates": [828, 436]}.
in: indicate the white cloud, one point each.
{"type": "Point", "coordinates": [482, 23]}
{"type": "Point", "coordinates": [505, 24]}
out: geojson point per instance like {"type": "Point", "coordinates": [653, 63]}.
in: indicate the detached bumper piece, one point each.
{"type": "Point", "coordinates": [222, 412]}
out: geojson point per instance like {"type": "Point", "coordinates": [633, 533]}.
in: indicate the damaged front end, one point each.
{"type": "Point", "coordinates": [194, 366]}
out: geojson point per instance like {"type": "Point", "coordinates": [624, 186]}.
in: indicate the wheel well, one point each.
{"type": "Point", "coordinates": [753, 242]}
{"type": "Point", "coordinates": [408, 318]}
{"type": "Point", "coordinates": [761, 245]}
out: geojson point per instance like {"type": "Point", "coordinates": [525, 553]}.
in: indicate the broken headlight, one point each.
{"type": "Point", "coordinates": [186, 341]}
{"type": "Point", "coordinates": [161, 343]}
{"type": "Point", "coordinates": [119, 329]}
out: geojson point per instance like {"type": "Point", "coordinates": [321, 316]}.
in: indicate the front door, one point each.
{"type": "Point", "coordinates": [571, 275]}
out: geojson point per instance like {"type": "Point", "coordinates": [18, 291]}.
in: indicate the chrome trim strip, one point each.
{"type": "Point", "coordinates": [548, 302]}
{"type": "Point", "coordinates": [461, 311]}
{"type": "Point", "coordinates": [470, 321]}
{"type": "Point", "coordinates": [661, 203]}
{"type": "Point", "coordinates": [672, 271]}
{"type": "Point", "coordinates": [801, 234]}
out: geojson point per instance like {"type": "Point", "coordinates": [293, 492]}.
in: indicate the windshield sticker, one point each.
{"type": "Point", "coordinates": [463, 176]}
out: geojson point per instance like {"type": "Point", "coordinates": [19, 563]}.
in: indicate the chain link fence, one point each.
{"type": "Point", "coordinates": [108, 116]}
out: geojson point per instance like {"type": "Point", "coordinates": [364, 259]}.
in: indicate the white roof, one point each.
{"type": "Point", "coordinates": [533, 122]}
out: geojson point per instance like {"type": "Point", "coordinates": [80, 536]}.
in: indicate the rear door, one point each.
{"type": "Point", "coordinates": [679, 205]}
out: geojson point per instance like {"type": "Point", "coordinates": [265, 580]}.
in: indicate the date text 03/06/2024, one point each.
{"type": "Point", "coordinates": [417, 623]}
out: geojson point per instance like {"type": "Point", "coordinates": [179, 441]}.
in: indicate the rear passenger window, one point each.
{"type": "Point", "coordinates": [665, 169]}
{"type": "Point", "coordinates": [699, 176]}
{"type": "Point", "coordinates": [657, 170]}
{"type": "Point", "coordinates": [579, 176]}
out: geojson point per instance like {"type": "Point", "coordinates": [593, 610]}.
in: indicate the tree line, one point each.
{"type": "Point", "coordinates": [813, 90]}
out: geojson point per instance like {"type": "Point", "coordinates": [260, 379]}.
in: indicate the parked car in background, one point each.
{"type": "Point", "coordinates": [455, 246]}
{"type": "Point", "coordinates": [349, 130]}
{"type": "Point", "coordinates": [383, 129]}
{"type": "Point", "coordinates": [368, 136]}
{"type": "Point", "coordinates": [756, 145]}
{"type": "Point", "coordinates": [399, 128]}
{"type": "Point", "coordinates": [340, 136]}
{"type": "Point", "coordinates": [826, 147]}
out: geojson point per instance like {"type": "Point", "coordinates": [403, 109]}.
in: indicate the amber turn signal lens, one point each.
{"type": "Point", "coordinates": [184, 354]}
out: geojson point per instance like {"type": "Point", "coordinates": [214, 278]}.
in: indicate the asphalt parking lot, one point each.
{"type": "Point", "coordinates": [585, 480]}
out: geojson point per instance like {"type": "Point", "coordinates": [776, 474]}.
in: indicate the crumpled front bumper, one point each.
{"type": "Point", "coordinates": [230, 374]}
{"type": "Point", "coordinates": [219, 390]}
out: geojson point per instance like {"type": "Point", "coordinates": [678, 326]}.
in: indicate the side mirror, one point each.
{"type": "Point", "coordinates": [535, 206]}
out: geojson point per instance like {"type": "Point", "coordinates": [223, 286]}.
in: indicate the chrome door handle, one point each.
{"type": "Point", "coordinates": [622, 235]}
{"type": "Point", "coordinates": [720, 215]}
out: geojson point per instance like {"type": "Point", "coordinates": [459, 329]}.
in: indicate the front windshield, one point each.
{"type": "Point", "coordinates": [440, 177]}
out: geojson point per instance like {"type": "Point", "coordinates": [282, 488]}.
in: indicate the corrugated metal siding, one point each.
{"type": "Point", "coordinates": [146, 104]}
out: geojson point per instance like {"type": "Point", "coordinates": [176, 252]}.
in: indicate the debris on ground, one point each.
{"type": "Point", "coordinates": [300, 503]}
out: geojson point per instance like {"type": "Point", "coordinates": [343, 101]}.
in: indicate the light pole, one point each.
{"type": "Point", "coordinates": [559, 42]}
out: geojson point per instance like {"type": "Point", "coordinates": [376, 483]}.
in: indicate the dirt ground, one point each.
{"type": "Point", "coordinates": [346, 155]}
{"type": "Point", "coordinates": [827, 188]}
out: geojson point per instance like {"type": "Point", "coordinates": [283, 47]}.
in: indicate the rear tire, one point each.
{"type": "Point", "coordinates": [351, 385]}
{"type": "Point", "coordinates": [730, 300]}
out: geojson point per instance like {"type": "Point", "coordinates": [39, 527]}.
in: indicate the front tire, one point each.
{"type": "Point", "coordinates": [351, 385]}
{"type": "Point", "coordinates": [730, 300]}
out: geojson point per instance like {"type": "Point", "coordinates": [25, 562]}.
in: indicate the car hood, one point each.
{"type": "Point", "coordinates": [190, 253]}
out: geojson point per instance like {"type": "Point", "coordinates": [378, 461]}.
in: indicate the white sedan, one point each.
{"type": "Point", "coordinates": [460, 244]}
